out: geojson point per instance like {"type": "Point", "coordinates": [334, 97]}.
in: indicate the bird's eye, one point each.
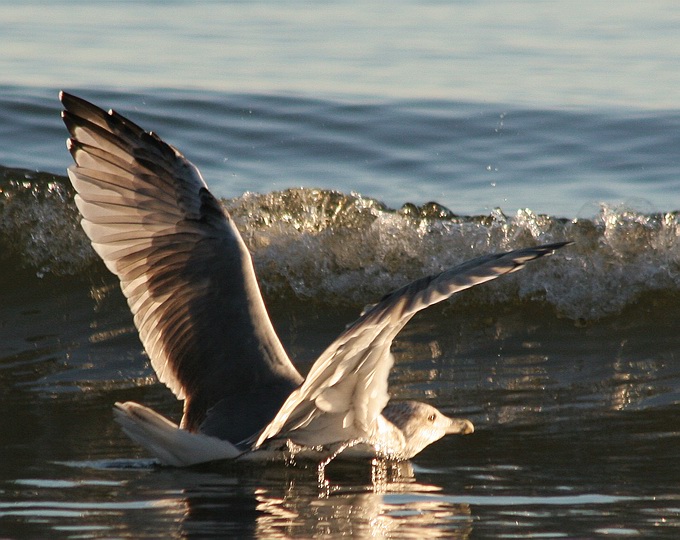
{"type": "Point", "coordinates": [431, 418]}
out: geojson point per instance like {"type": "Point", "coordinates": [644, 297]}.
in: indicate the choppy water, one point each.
{"type": "Point", "coordinates": [568, 369]}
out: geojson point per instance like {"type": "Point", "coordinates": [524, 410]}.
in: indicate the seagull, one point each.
{"type": "Point", "coordinates": [191, 286]}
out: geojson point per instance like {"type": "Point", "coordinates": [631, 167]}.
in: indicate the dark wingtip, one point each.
{"type": "Point", "coordinates": [72, 146]}
{"type": "Point", "coordinates": [68, 100]}
{"type": "Point", "coordinates": [533, 253]}
{"type": "Point", "coordinates": [70, 121]}
{"type": "Point", "coordinates": [545, 249]}
{"type": "Point", "coordinates": [558, 245]}
{"type": "Point", "coordinates": [81, 107]}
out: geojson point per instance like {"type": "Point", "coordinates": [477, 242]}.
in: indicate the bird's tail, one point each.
{"type": "Point", "coordinates": [170, 444]}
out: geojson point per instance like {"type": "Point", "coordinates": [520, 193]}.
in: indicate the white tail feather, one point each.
{"type": "Point", "coordinates": [170, 444]}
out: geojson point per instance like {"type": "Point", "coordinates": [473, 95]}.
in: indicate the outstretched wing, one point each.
{"type": "Point", "coordinates": [346, 389]}
{"type": "Point", "coordinates": [182, 264]}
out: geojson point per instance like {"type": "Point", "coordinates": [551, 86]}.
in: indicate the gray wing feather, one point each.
{"type": "Point", "coordinates": [346, 389]}
{"type": "Point", "coordinates": [182, 264]}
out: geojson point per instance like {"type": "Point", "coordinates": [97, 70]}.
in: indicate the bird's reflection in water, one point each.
{"type": "Point", "coordinates": [375, 499]}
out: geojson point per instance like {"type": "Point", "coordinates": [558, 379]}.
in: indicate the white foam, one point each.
{"type": "Point", "coordinates": [349, 249]}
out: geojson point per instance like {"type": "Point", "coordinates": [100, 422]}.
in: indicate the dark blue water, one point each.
{"type": "Point", "coordinates": [469, 157]}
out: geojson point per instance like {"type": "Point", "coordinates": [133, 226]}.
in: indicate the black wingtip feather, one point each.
{"type": "Point", "coordinates": [79, 106]}
{"type": "Point", "coordinates": [554, 246]}
{"type": "Point", "coordinates": [79, 112]}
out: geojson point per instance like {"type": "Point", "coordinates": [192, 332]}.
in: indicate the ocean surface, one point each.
{"type": "Point", "coordinates": [358, 148]}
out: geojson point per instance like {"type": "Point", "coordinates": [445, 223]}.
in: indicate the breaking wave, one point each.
{"type": "Point", "coordinates": [340, 248]}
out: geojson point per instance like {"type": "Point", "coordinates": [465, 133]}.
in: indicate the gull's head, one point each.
{"type": "Point", "coordinates": [421, 424]}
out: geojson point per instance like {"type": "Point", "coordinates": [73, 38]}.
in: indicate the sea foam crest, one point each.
{"type": "Point", "coordinates": [338, 248]}
{"type": "Point", "coordinates": [39, 223]}
{"type": "Point", "coordinates": [347, 248]}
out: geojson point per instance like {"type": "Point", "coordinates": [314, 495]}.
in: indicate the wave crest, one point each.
{"type": "Point", "coordinates": [341, 248]}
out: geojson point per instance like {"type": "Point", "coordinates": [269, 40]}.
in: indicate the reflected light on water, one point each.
{"type": "Point", "coordinates": [391, 504]}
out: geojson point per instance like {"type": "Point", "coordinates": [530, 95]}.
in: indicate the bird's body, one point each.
{"type": "Point", "coordinates": [190, 284]}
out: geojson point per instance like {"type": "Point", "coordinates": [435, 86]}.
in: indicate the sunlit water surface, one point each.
{"type": "Point", "coordinates": [524, 122]}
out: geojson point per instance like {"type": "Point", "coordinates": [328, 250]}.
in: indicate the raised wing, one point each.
{"type": "Point", "coordinates": [346, 389]}
{"type": "Point", "coordinates": [182, 264]}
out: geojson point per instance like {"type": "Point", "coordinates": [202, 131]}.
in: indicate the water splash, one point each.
{"type": "Point", "coordinates": [39, 224]}
{"type": "Point", "coordinates": [347, 249]}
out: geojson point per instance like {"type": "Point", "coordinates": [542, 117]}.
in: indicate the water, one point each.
{"type": "Point", "coordinates": [358, 148]}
